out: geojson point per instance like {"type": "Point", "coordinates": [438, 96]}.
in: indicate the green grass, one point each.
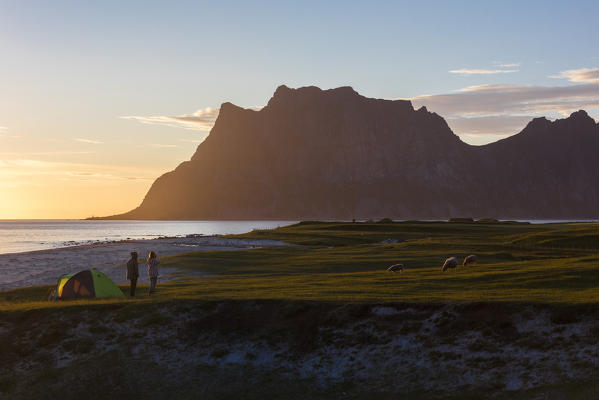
{"type": "Point", "coordinates": [330, 277]}
{"type": "Point", "coordinates": [345, 262]}
{"type": "Point", "coordinates": [549, 263]}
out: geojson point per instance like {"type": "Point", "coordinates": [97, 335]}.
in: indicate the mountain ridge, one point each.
{"type": "Point", "coordinates": [335, 154]}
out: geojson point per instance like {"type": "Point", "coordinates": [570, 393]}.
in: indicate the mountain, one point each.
{"type": "Point", "coordinates": [334, 154]}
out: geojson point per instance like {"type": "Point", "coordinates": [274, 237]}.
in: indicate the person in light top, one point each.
{"type": "Point", "coordinates": [132, 272]}
{"type": "Point", "coordinates": [153, 270]}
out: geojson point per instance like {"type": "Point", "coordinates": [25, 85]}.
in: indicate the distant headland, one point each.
{"type": "Point", "coordinates": [334, 154]}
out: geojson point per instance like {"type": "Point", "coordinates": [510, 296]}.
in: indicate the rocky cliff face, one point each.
{"type": "Point", "coordinates": [334, 154]}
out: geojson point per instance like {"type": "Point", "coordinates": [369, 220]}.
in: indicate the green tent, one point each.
{"type": "Point", "coordinates": [60, 283]}
{"type": "Point", "coordinates": [88, 284]}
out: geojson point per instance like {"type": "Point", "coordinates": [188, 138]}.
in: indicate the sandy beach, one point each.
{"type": "Point", "coordinates": [45, 266]}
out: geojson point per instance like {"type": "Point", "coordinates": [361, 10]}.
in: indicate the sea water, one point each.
{"type": "Point", "coordinates": [29, 235]}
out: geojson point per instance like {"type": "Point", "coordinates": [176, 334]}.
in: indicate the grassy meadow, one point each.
{"type": "Point", "coordinates": [346, 262]}
{"type": "Point", "coordinates": [522, 323]}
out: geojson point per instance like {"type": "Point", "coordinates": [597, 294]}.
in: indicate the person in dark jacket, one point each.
{"type": "Point", "coordinates": [153, 270]}
{"type": "Point", "coordinates": [132, 272]}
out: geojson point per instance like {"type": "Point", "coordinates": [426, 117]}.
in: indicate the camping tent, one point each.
{"type": "Point", "coordinates": [60, 284]}
{"type": "Point", "coordinates": [88, 284]}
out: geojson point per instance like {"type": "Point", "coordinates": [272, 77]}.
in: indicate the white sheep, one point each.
{"type": "Point", "coordinates": [471, 259]}
{"type": "Point", "coordinates": [451, 262]}
{"type": "Point", "coordinates": [396, 267]}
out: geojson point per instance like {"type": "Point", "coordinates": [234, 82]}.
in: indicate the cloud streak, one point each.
{"type": "Point", "coordinates": [477, 71]}
{"type": "Point", "coordinates": [17, 169]}
{"type": "Point", "coordinates": [198, 141]}
{"type": "Point", "coordinates": [44, 153]}
{"type": "Point", "coordinates": [512, 65]}
{"type": "Point", "coordinates": [201, 120]}
{"type": "Point", "coordinates": [503, 110]}
{"type": "Point", "coordinates": [3, 134]}
{"type": "Point", "coordinates": [161, 146]}
{"type": "Point", "coordinates": [501, 125]}
{"type": "Point", "coordinates": [90, 141]}
{"type": "Point", "coordinates": [512, 99]}
{"type": "Point", "coordinates": [586, 75]}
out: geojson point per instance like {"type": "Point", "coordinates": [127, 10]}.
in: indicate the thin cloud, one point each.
{"type": "Point", "coordinates": [45, 153]}
{"type": "Point", "coordinates": [513, 65]}
{"type": "Point", "coordinates": [192, 140]}
{"type": "Point", "coordinates": [500, 125]}
{"type": "Point", "coordinates": [502, 110]}
{"type": "Point", "coordinates": [161, 146]}
{"type": "Point", "coordinates": [512, 99]}
{"type": "Point", "coordinates": [23, 168]}
{"type": "Point", "coordinates": [102, 176]}
{"type": "Point", "coordinates": [3, 129]}
{"type": "Point", "coordinates": [4, 135]}
{"type": "Point", "coordinates": [585, 75]}
{"type": "Point", "coordinates": [201, 120]}
{"type": "Point", "coordinates": [476, 71]}
{"type": "Point", "coordinates": [90, 141]}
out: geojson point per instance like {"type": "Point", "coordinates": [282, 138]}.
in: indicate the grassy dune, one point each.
{"type": "Point", "coordinates": [520, 324]}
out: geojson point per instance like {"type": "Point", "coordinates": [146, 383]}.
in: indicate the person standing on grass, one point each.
{"type": "Point", "coordinates": [132, 272]}
{"type": "Point", "coordinates": [153, 270]}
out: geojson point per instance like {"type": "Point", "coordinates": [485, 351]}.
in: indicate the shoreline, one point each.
{"type": "Point", "coordinates": [68, 244]}
{"type": "Point", "coordinates": [51, 242]}
{"type": "Point", "coordinates": [30, 235]}
{"type": "Point", "coordinates": [43, 267]}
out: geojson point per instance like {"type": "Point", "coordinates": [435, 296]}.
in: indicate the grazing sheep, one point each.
{"type": "Point", "coordinates": [451, 262]}
{"type": "Point", "coordinates": [471, 259]}
{"type": "Point", "coordinates": [396, 267]}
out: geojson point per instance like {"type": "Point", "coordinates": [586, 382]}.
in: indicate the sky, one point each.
{"type": "Point", "coordinates": [98, 99]}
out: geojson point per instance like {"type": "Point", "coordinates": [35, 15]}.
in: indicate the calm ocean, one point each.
{"type": "Point", "coordinates": [28, 235]}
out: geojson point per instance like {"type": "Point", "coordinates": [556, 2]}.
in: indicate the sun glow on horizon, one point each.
{"type": "Point", "coordinates": [97, 99]}
{"type": "Point", "coordinates": [38, 189]}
